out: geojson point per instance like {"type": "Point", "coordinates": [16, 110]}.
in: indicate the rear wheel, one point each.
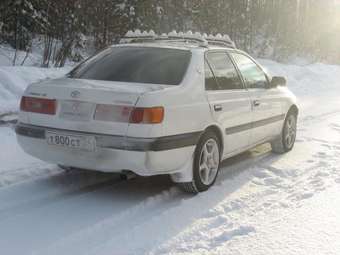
{"type": "Point", "coordinates": [206, 164]}
{"type": "Point", "coordinates": [286, 141]}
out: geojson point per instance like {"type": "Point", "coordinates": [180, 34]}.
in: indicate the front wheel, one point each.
{"type": "Point", "coordinates": [286, 141]}
{"type": "Point", "coordinates": [206, 164]}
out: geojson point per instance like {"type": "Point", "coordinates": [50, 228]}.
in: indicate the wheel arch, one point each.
{"type": "Point", "coordinates": [216, 130]}
{"type": "Point", "coordinates": [186, 174]}
{"type": "Point", "coordinates": [293, 109]}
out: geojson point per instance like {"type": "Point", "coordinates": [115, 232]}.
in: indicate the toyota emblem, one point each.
{"type": "Point", "coordinates": [75, 94]}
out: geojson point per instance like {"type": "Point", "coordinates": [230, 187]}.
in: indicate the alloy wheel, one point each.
{"type": "Point", "coordinates": [209, 162]}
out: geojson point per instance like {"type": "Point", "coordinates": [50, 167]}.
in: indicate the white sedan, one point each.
{"type": "Point", "coordinates": [176, 106]}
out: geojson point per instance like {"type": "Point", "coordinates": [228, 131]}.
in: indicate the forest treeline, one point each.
{"type": "Point", "coordinates": [278, 29]}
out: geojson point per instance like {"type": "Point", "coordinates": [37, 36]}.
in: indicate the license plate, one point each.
{"type": "Point", "coordinates": [86, 143]}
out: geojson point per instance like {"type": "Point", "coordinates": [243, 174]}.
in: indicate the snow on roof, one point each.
{"type": "Point", "coordinates": [203, 40]}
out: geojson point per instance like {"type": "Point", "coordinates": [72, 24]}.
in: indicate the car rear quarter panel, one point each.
{"type": "Point", "coordinates": [186, 106]}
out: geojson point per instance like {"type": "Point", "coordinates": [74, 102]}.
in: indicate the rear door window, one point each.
{"type": "Point", "coordinates": [136, 65]}
{"type": "Point", "coordinates": [224, 70]}
{"type": "Point", "coordinates": [210, 81]}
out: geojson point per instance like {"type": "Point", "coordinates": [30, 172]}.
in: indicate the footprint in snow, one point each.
{"type": "Point", "coordinates": [272, 181]}
{"type": "Point", "coordinates": [228, 235]}
{"type": "Point", "coordinates": [321, 155]}
{"type": "Point", "coordinates": [335, 126]}
{"type": "Point", "coordinates": [321, 174]}
{"type": "Point", "coordinates": [304, 196]}
{"type": "Point", "coordinates": [296, 197]}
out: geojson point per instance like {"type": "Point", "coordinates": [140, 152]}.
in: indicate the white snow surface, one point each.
{"type": "Point", "coordinates": [262, 203]}
{"type": "Point", "coordinates": [33, 58]}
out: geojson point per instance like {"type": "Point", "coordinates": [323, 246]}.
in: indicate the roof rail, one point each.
{"type": "Point", "coordinates": [230, 44]}
{"type": "Point", "coordinates": [203, 40]}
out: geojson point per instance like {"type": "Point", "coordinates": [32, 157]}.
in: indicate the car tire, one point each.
{"type": "Point", "coordinates": [285, 142]}
{"type": "Point", "coordinates": [206, 164]}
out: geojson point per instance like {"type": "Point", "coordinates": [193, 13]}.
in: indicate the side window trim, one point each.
{"type": "Point", "coordinates": [244, 87]}
{"type": "Point", "coordinates": [212, 71]}
{"type": "Point", "coordinates": [238, 70]}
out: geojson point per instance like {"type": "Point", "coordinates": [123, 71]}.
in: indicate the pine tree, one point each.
{"type": "Point", "coordinates": [290, 27]}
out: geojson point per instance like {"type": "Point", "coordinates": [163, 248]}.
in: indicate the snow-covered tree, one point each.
{"type": "Point", "coordinates": [271, 28]}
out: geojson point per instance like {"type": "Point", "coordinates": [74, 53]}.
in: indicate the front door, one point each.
{"type": "Point", "coordinates": [267, 117]}
{"type": "Point", "coordinates": [230, 103]}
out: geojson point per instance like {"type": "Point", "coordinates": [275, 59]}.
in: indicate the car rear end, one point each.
{"type": "Point", "coordinates": [98, 117]}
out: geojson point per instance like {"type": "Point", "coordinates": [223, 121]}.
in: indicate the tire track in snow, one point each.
{"type": "Point", "coordinates": [268, 190]}
{"type": "Point", "coordinates": [61, 187]}
{"type": "Point", "coordinates": [76, 213]}
{"type": "Point", "coordinates": [28, 173]}
{"type": "Point", "coordinates": [135, 219]}
{"type": "Point", "coordinates": [92, 237]}
{"type": "Point", "coordinates": [274, 184]}
{"type": "Point", "coordinates": [35, 204]}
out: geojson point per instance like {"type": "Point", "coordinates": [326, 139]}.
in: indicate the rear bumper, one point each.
{"type": "Point", "coordinates": [144, 156]}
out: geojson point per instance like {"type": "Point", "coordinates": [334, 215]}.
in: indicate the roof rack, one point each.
{"type": "Point", "coordinates": [221, 40]}
{"type": "Point", "coordinates": [203, 40]}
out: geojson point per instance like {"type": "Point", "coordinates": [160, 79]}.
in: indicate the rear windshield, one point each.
{"type": "Point", "coordinates": [135, 64]}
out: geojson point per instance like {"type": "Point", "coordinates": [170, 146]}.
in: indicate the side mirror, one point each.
{"type": "Point", "coordinates": [277, 81]}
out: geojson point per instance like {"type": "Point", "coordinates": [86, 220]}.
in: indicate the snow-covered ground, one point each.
{"type": "Point", "coordinates": [14, 79]}
{"type": "Point", "coordinates": [262, 203]}
{"type": "Point", "coordinates": [35, 55]}
{"type": "Point", "coordinates": [33, 58]}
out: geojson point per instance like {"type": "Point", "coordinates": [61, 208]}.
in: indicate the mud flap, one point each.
{"type": "Point", "coordinates": [185, 174]}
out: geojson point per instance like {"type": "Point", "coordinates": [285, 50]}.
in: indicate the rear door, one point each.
{"type": "Point", "coordinates": [266, 104]}
{"type": "Point", "coordinates": [229, 100]}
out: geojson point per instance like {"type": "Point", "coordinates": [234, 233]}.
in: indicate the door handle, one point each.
{"type": "Point", "coordinates": [218, 107]}
{"type": "Point", "coordinates": [256, 103]}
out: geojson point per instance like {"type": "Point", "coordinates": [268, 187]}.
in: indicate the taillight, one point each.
{"type": "Point", "coordinates": [152, 115]}
{"type": "Point", "coordinates": [38, 105]}
{"type": "Point", "coordinates": [127, 114]}
{"type": "Point", "coordinates": [113, 113]}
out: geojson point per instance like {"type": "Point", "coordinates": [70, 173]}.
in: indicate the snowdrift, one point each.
{"type": "Point", "coordinates": [306, 79]}
{"type": "Point", "coordinates": [303, 80]}
{"type": "Point", "coordinates": [14, 80]}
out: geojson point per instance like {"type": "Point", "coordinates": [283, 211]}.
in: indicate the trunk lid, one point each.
{"type": "Point", "coordinates": [77, 101]}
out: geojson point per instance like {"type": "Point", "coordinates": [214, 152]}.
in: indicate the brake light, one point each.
{"type": "Point", "coordinates": [154, 115]}
{"type": "Point", "coordinates": [128, 114]}
{"type": "Point", "coordinates": [38, 105]}
{"type": "Point", "coordinates": [114, 113]}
